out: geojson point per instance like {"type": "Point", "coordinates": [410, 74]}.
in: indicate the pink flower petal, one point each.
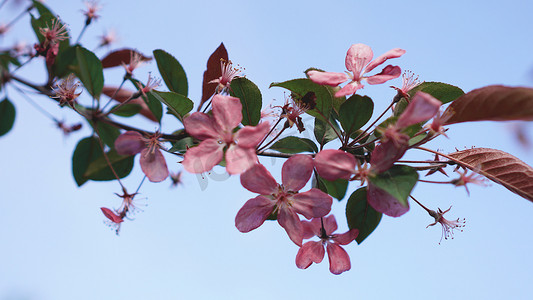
{"type": "Point", "coordinates": [330, 224]}
{"type": "Point", "coordinates": [393, 53]}
{"type": "Point", "coordinates": [296, 172]}
{"type": "Point", "coordinates": [311, 228]}
{"type": "Point", "coordinates": [334, 164]}
{"type": "Point", "coordinates": [251, 136]}
{"type": "Point", "coordinates": [327, 78]}
{"type": "Point", "coordinates": [422, 107]}
{"type": "Point", "coordinates": [154, 165]}
{"type": "Point", "coordinates": [357, 58]}
{"type": "Point", "coordinates": [129, 143]}
{"type": "Point", "coordinates": [388, 73]}
{"type": "Point", "coordinates": [111, 215]}
{"type": "Point", "coordinates": [203, 157]}
{"type": "Point", "coordinates": [254, 213]}
{"type": "Point", "coordinates": [259, 180]}
{"type": "Point", "coordinates": [384, 202]}
{"type": "Point", "coordinates": [349, 89]}
{"type": "Point", "coordinates": [227, 112]}
{"type": "Point", "coordinates": [387, 153]}
{"type": "Point", "coordinates": [347, 237]}
{"type": "Point", "coordinates": [289, 220]}
{"type": "Point", "coordinates": [239, 159]}
{"type": "Point", "coordinates": [310, 252]}
{"type": "Point", "coordinates": [201, 126]}
{"type": "Point", "coordinates": [312, 204]}
{"type": "Point", "coordinates": [339, 261]}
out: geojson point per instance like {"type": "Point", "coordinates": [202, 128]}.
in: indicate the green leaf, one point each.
{"type": "Point", "coordinates": [154, 105]}
{"type": "Point", "coordinates": [355, 112]}
{"type": "Point", "coordinates": [360, 215]}
{"type": "Point", "coordinates": [86, 151]}
{"type": "Point", "coordinates": [107, 133]}
{"type": "Point", "coordinates": [89, 154]}
{"type": "Point", "coordinates": [98, 170]}
{"type": "Point", "coordinates": [7, 116]}
{"type": "Point", "coordinates": [177, 104]}
{"type": "Point", "coordinates": [442, 91]}
{"type": "Point", "coordinates": [398, 181]}
{"type": "Point", "coordinates": [66, 63]}
{"type": "Point", "coordinates": [302, 86]}
{"type": "Point", "coordinates": [90, 71]}
{"type": "Point", "coordinates": [172, 72]}
{"type": "Point", "coordinates": [324, 133]}
{"type": "Point", "coordinates": [250, 97]}
{"type": "Point", "coordinates": [182, 145]}
{"type": "Point", "coordinates": [41, 8]}
{"type": "Point", "coordinates": [126, 110]}
{"type": "Point", "coordinates": [292, 144]}
{"type": "Point", "coordinates": [336, 189]}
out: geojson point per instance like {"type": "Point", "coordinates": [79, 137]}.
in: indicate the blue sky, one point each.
{"type": "Point", "coordinates": [184, 245]}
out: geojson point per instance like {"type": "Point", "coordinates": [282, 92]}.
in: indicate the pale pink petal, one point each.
{"type": "Point", "coordinates": [239, 159]}
{"type": "Point", "coordinates": [388, 73]}
{"type": "Point", "coordinates": [289, 220]}
{"type": "Point", "coordinates": [334, 164]}
{"type": "Point", "coordinates": [296, 172]}
{"type": "Point", "coordinates": [393, 53]}
{"type": "Point", "coordinates": [329, 78]}
{"type": "Point", "coordinates": [311, 228]}
{"type": "Point", "coordinates": [357, 58]}
{"type": "Point", "coordinates": [259, 180]}
{"type": "Point", "coordinates": [251, 136]}
{"type": "Point", "coordinates": [422, 107]}
{"type": "Point", "coordinates": [349, 89]}
{"type": "Point", "coordinates": [384, 202]}
{"type": "Point", "coordinates": [312, 204]}
{"type": "Point", "coordinates": [227, 112]}
{"type": "Point", "coordinates": [387, 153]}
{"type": "Point", "coordinates": [310, 252]}
{"type": "Point", "coordinates": [201, 126]}
{"type": "Point", "coordinates": [111, 215]}
{"type": "Point", "coordinates": [153, 165]}
{"type": "Point", "coordinates": [203, 157]}
{"type": "Point", "coordinates": [339, 261]}
{"type": "Point", "coordinates": [347, 237]}
{"type": "Point", "coordinates": [253, 213]}
{"type": "Point", "coordinates": [330, 224]}
{"type": "Point", "coordinates": [129, 143]}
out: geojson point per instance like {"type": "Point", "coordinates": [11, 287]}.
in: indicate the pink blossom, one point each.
{"type": "Point", "coordinates": [65, 91]}
{"type": "Point", "coordinates": [282, 200]}
{"type": "Point", "coordinates": [359, 56]}
{"type": "Point", "coordinates": [313, 252]}
{"type": "Point", "coordinates": [422, 107]}
{"type": "Point", "coordinates": [228, 73]}
{"type": "Point", "coordinates": [54, 33]}
{"type": "Point", "coordinates": [409, 82]}
{"type": "Point", "coordinates": [334, 164]}
{"type": "Point", "coordinates": [447, 225]}
{"type": "Point", "coordinates": [92, 8]}
{"type": "Point", "coordinates": [153, 163]}
{"type": "Point", "coordinates": [114, 221]}
{"type": "Point", "coordinates": [216, 133]}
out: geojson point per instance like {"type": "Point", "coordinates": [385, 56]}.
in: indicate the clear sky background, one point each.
{"type": "Point", "coordinates": [184, 245]}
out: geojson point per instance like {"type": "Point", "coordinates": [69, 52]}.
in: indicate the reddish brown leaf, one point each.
{"type": "Point", "coordinates": [500, 167]}
{"type": "Point", "coordinates": [117, 57]}
{"type": "Point", "coordinates": [213, 71]}
{"type": "Point", "coordinates": [491, 103]}
{"type": "Point", "coordinates": [124, 95]}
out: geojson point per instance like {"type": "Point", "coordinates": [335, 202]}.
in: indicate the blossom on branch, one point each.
{"type": "Point", "coordinates": [65, 91]}
{"type": "Point", "coordinates": [358, 63]}
{"type": "Point", "coordinates": [228, 74]}
{"type": "Point", "coordinates": [152, 161]}
{"type": "Point", "coordinates": [313, 252]}
{"type": "Point", "coordinates": [447, 225]}
{"type": "Point", "coordinates": [216, 133]}
{"type": "Point", "coordinates": [282, 200]}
